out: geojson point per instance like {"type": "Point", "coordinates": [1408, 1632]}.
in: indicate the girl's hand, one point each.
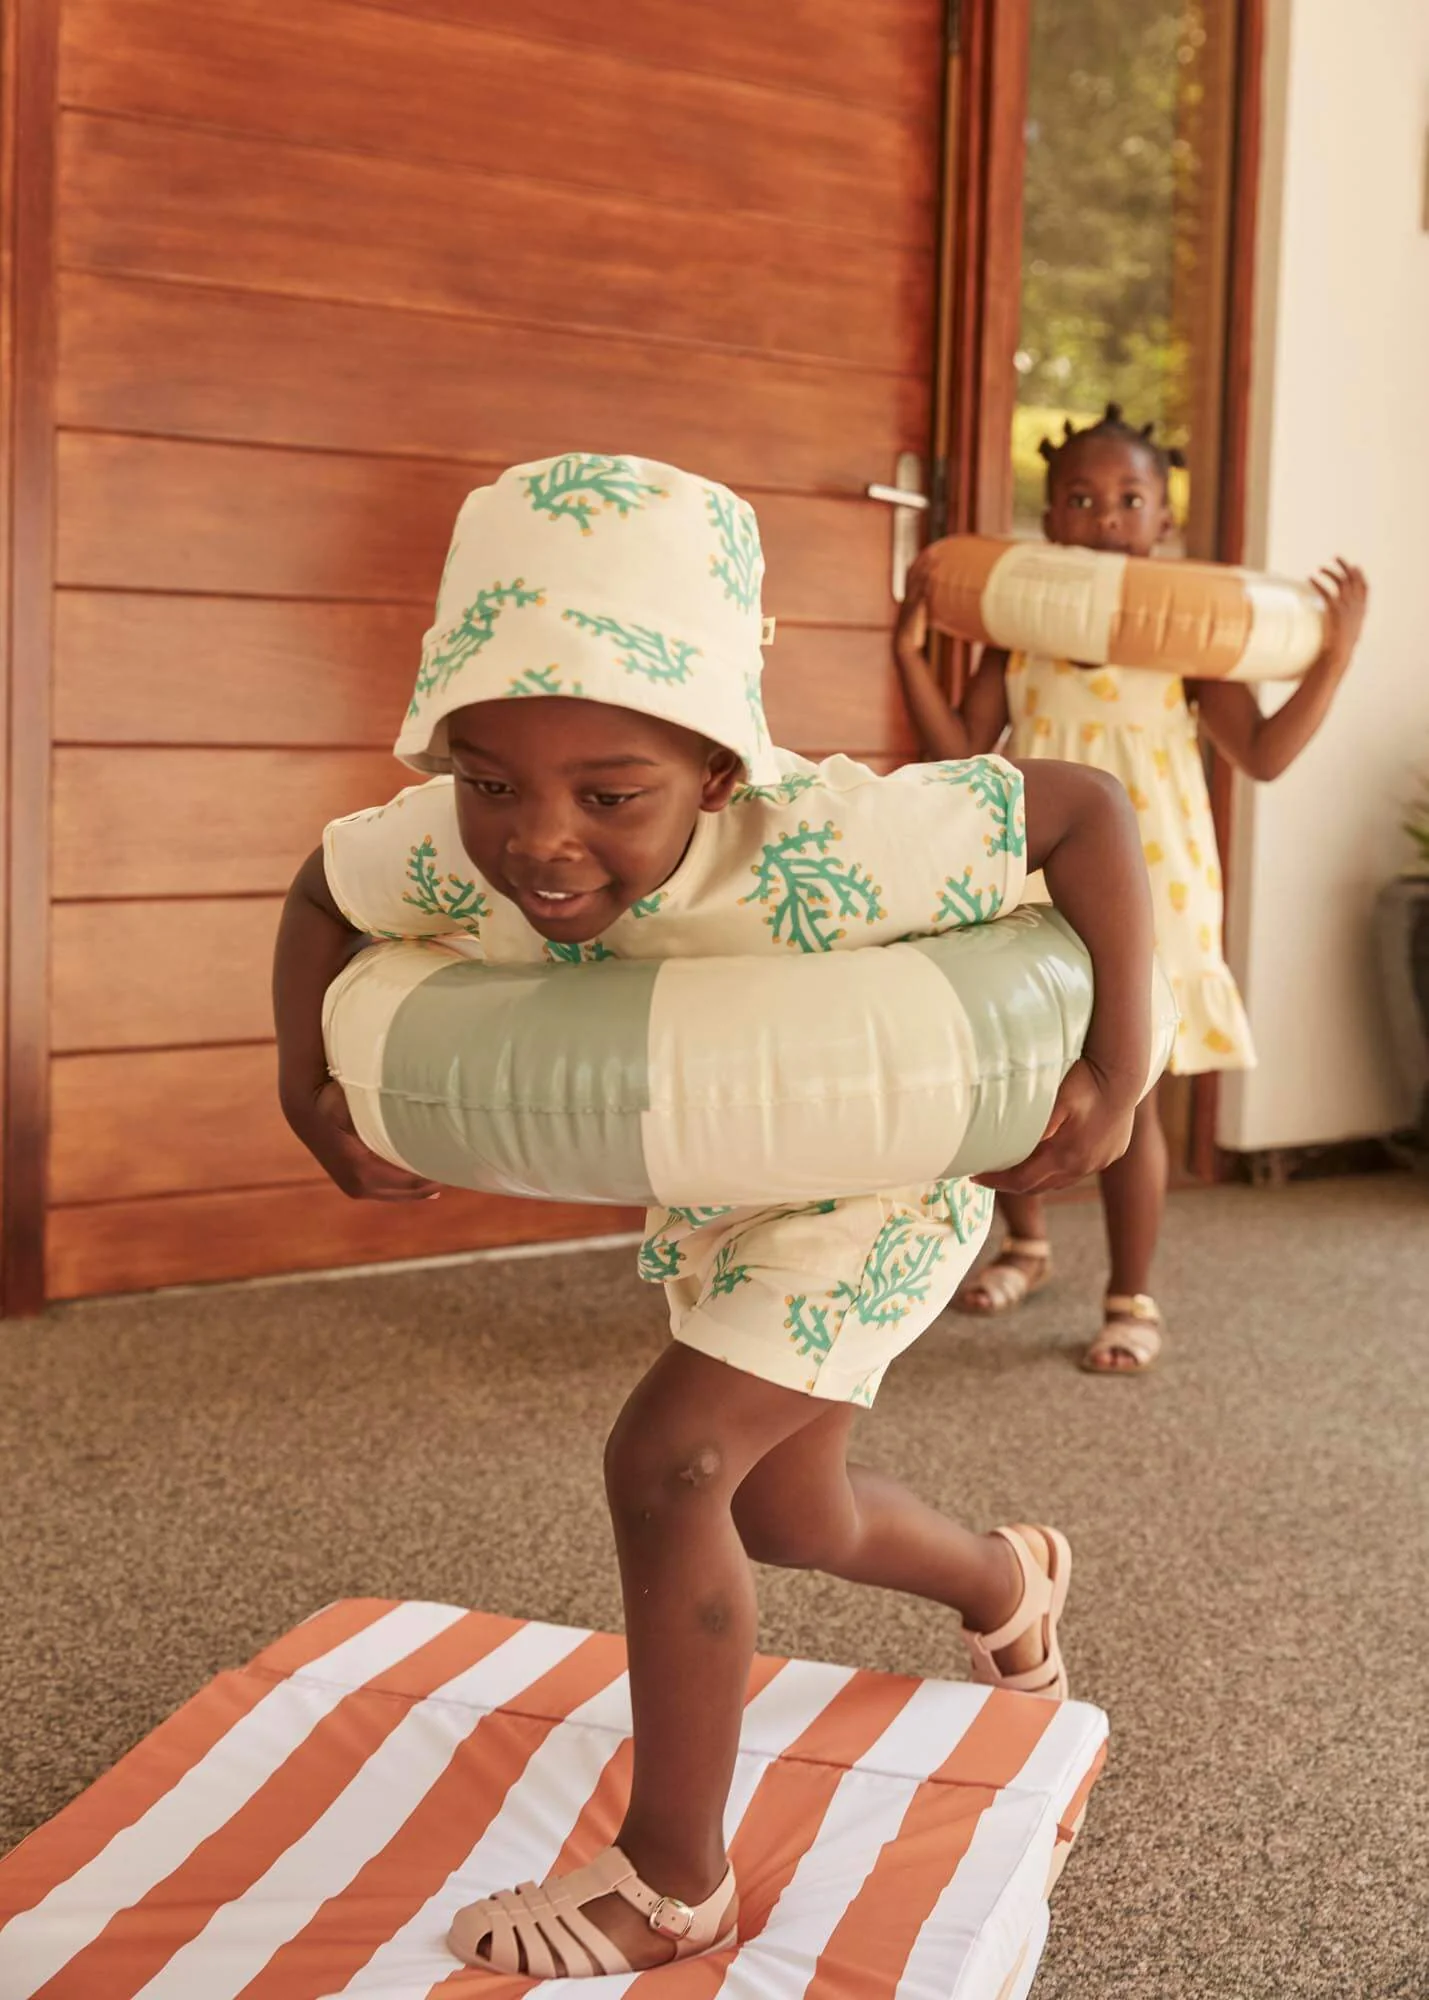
{"type": "Point", "coordinates": [324, 1124]}
{"type": "Point", "coordinates": [910, 634]}
{"type": "Point", "coordinates": [1345, 594]}
{"type": "Point", "coordinates": [1090, 1127]}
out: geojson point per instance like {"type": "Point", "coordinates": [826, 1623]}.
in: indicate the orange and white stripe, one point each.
{"type": "Point", "coordinates": [306, 1827]}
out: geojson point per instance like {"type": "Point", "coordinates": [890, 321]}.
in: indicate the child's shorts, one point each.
{"type": "Point", "coordinates": [819, 1297]}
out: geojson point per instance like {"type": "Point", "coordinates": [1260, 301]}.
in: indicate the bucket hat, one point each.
{"type": "Point", "coordinates": [610, 579]}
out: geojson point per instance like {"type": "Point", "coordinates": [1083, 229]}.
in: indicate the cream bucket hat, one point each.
{"type": "Point", "coordinates": [617, 580]}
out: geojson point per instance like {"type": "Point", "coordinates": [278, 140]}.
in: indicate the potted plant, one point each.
{"type": "Point", "coordinates": [1403, 932]}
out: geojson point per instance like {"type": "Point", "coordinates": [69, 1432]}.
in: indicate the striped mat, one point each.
{"type": "Point", "coordinates": [306, 1825]}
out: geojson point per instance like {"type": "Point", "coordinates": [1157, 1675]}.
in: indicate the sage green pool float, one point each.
{"type": "Point", "coordinates": [706, 1081]}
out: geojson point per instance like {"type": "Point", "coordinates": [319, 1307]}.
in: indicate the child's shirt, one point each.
{"type": "Point", "coordinates": [829, 857]}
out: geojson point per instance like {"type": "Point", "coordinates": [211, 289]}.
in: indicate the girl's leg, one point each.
{"type": "Point", "coordinates": [1133, 1199]}
{"type": "Point", "coordinates": [1017, 1270]}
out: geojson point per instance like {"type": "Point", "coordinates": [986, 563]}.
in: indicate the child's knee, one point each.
{"type": "Point", "coordinates": [650, 1478]}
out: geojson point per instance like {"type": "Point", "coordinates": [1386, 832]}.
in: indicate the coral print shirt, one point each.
{"type": "Point", "coordinates": [828, 857]}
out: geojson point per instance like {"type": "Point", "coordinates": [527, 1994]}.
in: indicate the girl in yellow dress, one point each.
{"type": "Point", "coordinates": [1107, 489]}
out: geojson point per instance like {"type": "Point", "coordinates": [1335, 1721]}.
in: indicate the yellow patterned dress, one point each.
{"type": "Point", "coordinates": [1138, 727]}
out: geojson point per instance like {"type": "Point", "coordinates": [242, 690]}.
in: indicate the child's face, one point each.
{"type": "Point", "coordinates": [576, 810]}
{"type": "Point", "coordinates": [1107, 494]}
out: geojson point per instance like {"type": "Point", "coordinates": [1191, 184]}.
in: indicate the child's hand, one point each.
{"type": "Point", "coordinates": [910, 634]}
{"type": "Point", "coordinates": [1090, 1127]}
{"type": "Point", "coordinates": [325, 1127]}
{"type": "Point", "coordinates": [1345, 593]}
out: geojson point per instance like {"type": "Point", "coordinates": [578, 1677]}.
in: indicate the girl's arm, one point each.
{"type": "Point", "coordinates": [315, 941]}
{"type": "Point", "coordinates": [1082, 833]}
{"type": "Point", "coordinates": [1265, 745]}
{"type": "Point", "coordinates": [944, 731]}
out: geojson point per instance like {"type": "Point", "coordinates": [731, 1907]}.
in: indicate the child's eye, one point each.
{"type": "Point", "coordinates": [1080, 501]}
{"type": "Point", "coordinates": [608, 800]}
{"type": "Point", "coordinates": [1136, 501]}
{"type": "Point", "coordinates": [486, 788]}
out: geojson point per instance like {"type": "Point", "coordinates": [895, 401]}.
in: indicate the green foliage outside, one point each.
{"type": "Point", "coordinates": [1115, 217]}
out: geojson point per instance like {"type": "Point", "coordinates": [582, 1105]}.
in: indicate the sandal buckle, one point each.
{"type": "Point", "coordinates": [672, 1918]}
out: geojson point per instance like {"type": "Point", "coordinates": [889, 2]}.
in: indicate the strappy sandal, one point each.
{"type": "Point", "coordinates": [540, 1929]}
{"type": "Point", "coordinates": [1044, 1595]}
{"type": "Point", "coordinates": [1133, 1325]}
{"type": "Point", "coordinates": [1006, 1284]}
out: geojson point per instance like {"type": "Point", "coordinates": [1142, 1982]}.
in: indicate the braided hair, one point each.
{"type": "Point", "coordinates": [1111, 424]}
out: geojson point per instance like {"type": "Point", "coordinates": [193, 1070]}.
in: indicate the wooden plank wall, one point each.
{"type": "Point", "coordinates": [319, 271]}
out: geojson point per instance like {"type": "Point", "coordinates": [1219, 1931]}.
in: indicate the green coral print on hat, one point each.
{"type": "Point", "coordinates": [650, 653]}
{"type": "Point", "coordinates": [542, 680]}
{"type": "Point", "coordinates": [575, 954]}
{"type": "Point", "coordinates": [737, 564]}
{"type": "Point", "coordinates": [898, 1273]}
{"type": "Point", "coordinates": [447, 654]}
{"type": "Point", "coordinates": [451, 896]}
{"type": "Point", "coordinates": [961, 904]}
{"type": "Point", "coordinates": [581, 485]}
{"type": "Point", "coordinates": [805, 889]}
{"type": "Point", "coordinates": [755, 701]}
{"type": "Point", "coordinates": [696, 1218]}
{"type": "Point", "coordinates": [993, 789]}
{"type": "Point", "coordinates": [782, 792]}
{"type": "Point", "coordinates": [649, 906]}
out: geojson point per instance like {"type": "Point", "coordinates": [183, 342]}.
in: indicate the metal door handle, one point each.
{"type": "Point", "coordinates": [908, 500]}
{"type": "Point", "coordinates": [896, 497]}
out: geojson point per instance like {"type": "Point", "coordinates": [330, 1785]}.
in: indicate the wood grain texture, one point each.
{"type": "Point", "coordinates": [150, 514]}
{"type": "Point", "coordinates": [152, 975]}
{"type": "Point", "coordinates": [242, 671]}
{"type": "Point", "coordinates": [338, 76]}
{"type": "Point", "coordinates": [212, 822]}
{"type": "Point", "coordinates": [169, 1121]}
{"type": "Point", "coordinates": [163, 202]}
{"type": "Point", "coordinates": [125, 1246]}
{"type": "Point", "coordinates": [27, 351]}
{"type": "Point", "coordinates": [865, 51]}
{"type": "Point", "coordinates": [265, 370]}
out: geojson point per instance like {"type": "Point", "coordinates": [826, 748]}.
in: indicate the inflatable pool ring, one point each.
{"type": "Point", "coordinates": [699, 1082]}
{"type": "Point", "coordinates": [1208, 621]}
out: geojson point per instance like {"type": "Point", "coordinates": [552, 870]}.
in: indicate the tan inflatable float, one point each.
{"type": "Point", "coordinates": [1205, 620]}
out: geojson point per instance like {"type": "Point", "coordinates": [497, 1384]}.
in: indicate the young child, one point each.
{"type": "Point", "coordinates": [589, 699]}
{"type": "Point", "coordinates": [1107, 489]}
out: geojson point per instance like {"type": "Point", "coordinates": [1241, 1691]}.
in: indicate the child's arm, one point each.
{"type": "Point", "coordinates": [315, 941]}
{"type": "Point", "coordinates": [1082, 833]}
{"type": "Point", "coordinates": [943, 731]}
{"type": "Point", "coordinates": [1265, 745]}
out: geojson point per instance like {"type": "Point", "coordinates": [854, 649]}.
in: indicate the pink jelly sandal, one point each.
{"type": "Point", "coordinates": [541, 1930]}
{"type": "Point", "coordinates": [1044, 1594]}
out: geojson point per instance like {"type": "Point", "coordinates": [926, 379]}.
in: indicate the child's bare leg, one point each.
{"type": "Point", "coordinates": [680, 1448]}
{"type": "Point", "coordinates": [1134, 1199]}
{"type": "Point", "coordinates": [1019, 1267]}
{"type": "Point", "coordinates": [804, 1506]}
{"type": "Point", "coordinates": [697, 1444]}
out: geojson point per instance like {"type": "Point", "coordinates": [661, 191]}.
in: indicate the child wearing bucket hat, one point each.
{"type": "Point", "coordinates": [601, 783]}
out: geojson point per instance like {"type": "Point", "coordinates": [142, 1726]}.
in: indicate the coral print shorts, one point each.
{"type": "Point", "coordinates": [819, 1297]}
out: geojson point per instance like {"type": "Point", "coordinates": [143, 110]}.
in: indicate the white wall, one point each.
{"type": "Point", "coordinates": [1340, 464]}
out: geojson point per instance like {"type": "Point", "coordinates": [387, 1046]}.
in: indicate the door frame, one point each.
{"type": "Point", "coordinates": [30, 64]}
{"type": "Point", "coordinates": [980, 289]}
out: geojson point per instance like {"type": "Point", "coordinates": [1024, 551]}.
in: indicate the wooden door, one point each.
{"type": "Point", "coordinates": [310, 274]}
